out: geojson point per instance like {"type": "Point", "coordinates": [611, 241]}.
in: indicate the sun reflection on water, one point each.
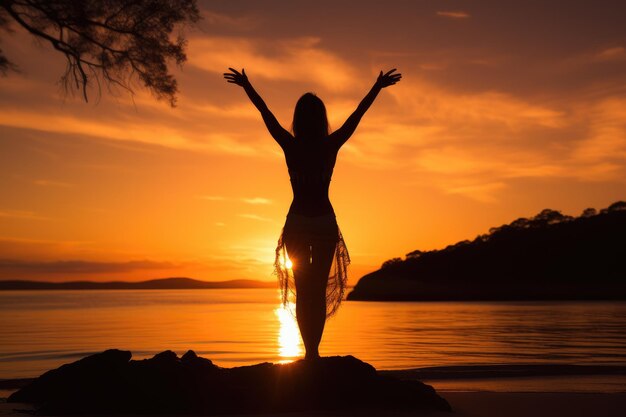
{"type": "Point", "coordinates": [289, 342]}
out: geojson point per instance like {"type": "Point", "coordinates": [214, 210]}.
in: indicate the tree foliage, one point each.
{"type": "Point", "coordinates": [108, 42]}
{"type": "Point", "coordinates": [391, 262]}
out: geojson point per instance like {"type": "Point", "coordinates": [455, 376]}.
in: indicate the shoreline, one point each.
{"type": "Point", "coordinates": [464, 404]}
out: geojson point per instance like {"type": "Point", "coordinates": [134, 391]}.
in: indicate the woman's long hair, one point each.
{"type": "Point", "coordinates": [309, 118]}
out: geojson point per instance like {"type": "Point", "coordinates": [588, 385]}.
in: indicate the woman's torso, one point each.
{"type": "Point", "coordinates": [311, 164]}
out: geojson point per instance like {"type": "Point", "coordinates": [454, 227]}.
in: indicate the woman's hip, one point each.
{"type": "Point", "coordinates": [315, 228]}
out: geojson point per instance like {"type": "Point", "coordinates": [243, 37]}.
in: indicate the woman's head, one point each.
{"type": "Point", "coordinates": [309, 118]}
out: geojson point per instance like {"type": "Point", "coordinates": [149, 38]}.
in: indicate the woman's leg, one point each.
{"type": "Point", "coordinates": [311, 267]}
{"type": "Point", "coordinates": [322, 259]}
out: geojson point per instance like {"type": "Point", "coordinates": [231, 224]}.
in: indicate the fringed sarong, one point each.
{"type": "Point", "coordinates": [312, 231]}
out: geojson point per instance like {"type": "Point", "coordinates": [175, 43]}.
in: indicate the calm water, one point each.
{"type": "Point", "coordinates": [40, 330]}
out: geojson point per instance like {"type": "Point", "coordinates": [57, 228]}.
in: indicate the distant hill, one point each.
{"type": "Point", "coordinates": [154, 284]}
{"type": "Point", "coordinates": [547, 257]}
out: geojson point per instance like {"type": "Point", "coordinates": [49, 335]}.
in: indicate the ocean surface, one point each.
{"type": "Point", "coordinates": [40, 330]}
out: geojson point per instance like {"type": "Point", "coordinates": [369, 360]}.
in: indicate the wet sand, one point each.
{"type": "Point", "coordinates": [475, 404]}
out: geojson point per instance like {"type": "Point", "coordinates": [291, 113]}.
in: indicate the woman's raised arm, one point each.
{"type": "Point", "coordinates": [341, 135]}
{"type": "Point", "coordinates": [280, 134]}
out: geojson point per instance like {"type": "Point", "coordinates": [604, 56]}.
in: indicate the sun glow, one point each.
{"type": "Point", "coordinates": [285, 261]}
{"type": "Point", "coordinates": [289, 342]}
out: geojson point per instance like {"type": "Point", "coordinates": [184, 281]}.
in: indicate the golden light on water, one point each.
{"type": "Point", "coordinates": [289, 341]}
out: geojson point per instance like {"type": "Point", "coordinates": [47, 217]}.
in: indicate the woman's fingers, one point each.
{"type": "Point", "coordinates": [236, 77]}
{"type": "Point", "coordinates": [389, 78]}
{"type": "Point", "coordinates": [233, 76]}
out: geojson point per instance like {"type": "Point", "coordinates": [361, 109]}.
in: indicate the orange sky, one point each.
{"type": "Point", "coordinates": [503, 110]}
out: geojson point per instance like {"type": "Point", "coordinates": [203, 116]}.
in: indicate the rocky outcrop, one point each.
{"type": "Point", "coordinates": [110, 382]}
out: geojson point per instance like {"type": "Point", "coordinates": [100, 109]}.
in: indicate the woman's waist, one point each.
{"type": "Point", "coordinates": [322, 218]}
{"type": "Point", "coordinates": [314, 190]}
{"type": "Point", "coordinates": [311, 177]}
{"type": "Point", "coordinates": [311, 208]}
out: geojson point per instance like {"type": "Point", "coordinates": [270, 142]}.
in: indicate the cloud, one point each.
{"type": "Point", "coordinates": [199, 126]}
{"type": "Point", "coordinates": [251, 200]}
{"type": "Point", "coordinates": [255, 217]}
{"type": "Point", "coordinates": [476, 144]}
{"type": "Point", "coordinates": [211, 197]}
{"type": "Point", "coordinates": [484, 193]}
{"type": "Point", "coordinates": [257, 200]}
{"type": "Point", "coordinates": [80, 266]}
{"type": "Point", "coordinates": [22, 215]}
{"type": "Point", "coordinates": [424, 100]}
{"type": "Point", "coordinates": [214, 20]}
{"type": "Point", "coordinates": [454, 14]}
{"type": "Point", "coordinates": [601, 154]}
{"type": "Point", "coordinates": [612, 54]}
{"type": "Point", "coordinates": [17, 248]}
{"type": "Point", "coordinates": [52, 183]}
{"type": "Point", "coordinates": [63, 123]}
{"type": "Point", "coordinates": [296, 59]}
{"type": "Point", "coordinates": [443, 132]}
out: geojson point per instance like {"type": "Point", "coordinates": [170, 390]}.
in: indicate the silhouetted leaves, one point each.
{"type": "Point", "coordinates": [391, 262]}
{"type": "Point", "coordinates": [617, 206]}
{"type": "Point", "coordinates": [111, 42]}
{"type": "Point", "coordinates": [589, 212]}
{"type": "Point", "coordinates": [415, 254]}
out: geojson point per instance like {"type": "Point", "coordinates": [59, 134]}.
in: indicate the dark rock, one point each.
{"type": "Point", "coordinates": [196, 364]}
{"type": "Point", "coordinates": [166, 356]}
{"type": "Point", "coordinates": [189, 356]}
{"type": "Point", "coordinates": [110, 382]}
{"type": "Point", "coordinates": [78, 384]}
{"type": "Point", "coordinates": [191, 359]}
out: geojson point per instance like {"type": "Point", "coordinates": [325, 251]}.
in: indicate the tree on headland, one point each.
{"type": "Point", "coordinates": [617, 206]}
{"type": "Point", "coordinates": [589, 212]}
{"type": "Point", "coordinates": [109, 42]}
{"type": "Point", "coordinates": [391, 262]}
{"type": "Point", "coordinates": [414, 254]}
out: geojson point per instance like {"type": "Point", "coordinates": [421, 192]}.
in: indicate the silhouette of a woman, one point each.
{"type": "Point", "coordinates": [311, 257]}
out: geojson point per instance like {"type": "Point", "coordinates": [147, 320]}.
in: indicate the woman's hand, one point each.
{"type": "Point", "coordinates": [236, 77]}
{"type": "Point", "coordinates": [387, 79]}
